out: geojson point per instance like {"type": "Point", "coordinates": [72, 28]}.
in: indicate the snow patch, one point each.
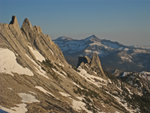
{"type": "Point", "coordinates": [123, 103]}
{"type": "Point", "coordinates": [42, 72]}
{"type": "Point", "coordinates": [91, 78]}
{"type": "Point", "coordinates": [129, 91]}
{"type": "Point", "coordinates": [109, 81]}
{"type": "Point", "coordinates": [111, 44]}
{"type": "Point", "coordinates": [39, 70]}
{"type": "Point", "coordinates": [32, 92]}
{"type": "Point", "coordinates": [64, 72]}
{"type": "Point", "coordinates": [103, 105]}
{"type": "Point", "coordinates": [77, 85]}
{"type": "Point", "coordinates": [58, 72]}
{"type": "Point", "coordinates": [21, 108]}
{"type": "Point", "coordinates": [51, 51]}
{"type": "Point", "coordinates": [79, 105]}
{"type": "Point", "coordinates": [96, 52]}
{"type": "Point", "coordinates": [126, 49]}
{"type": "Point", "coordinates": [96, 43]}
{"type": "Point", "coordinates": [125, 74]}
{"type": "Point", "coordinates": [140, 51]}
{"type": "Point", "coordinates": [60, 64]}
{"type": "Point", "coordinates": [10, 88]}
{"type": "Point", "coordinates": [145, 73]}
{"type": "Point", "coordinates": [80, 98]}
{"type": "Point", "coordinates": [64, 94]}
{"type": "Point", "coordinates": [126, 58]}
{"type": "Point", "coordinates": [27, 98]}
{"type": "Point", "coordinates": [37, 55]}
{"type": "Point", "coordinates": [9, 65]}
{"type": "Point", "coordinates": [88, 51]}
{"type": "Point", "coordinates": [43, 90]}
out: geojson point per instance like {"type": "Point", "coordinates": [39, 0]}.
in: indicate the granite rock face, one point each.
{"type": "Point", "coordinates": [35, 78]}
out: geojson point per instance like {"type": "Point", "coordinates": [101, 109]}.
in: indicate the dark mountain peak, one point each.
{"type": "Point", "coordinates": [92, 38]}
{"type": "Point", "coordinates": [14, 22]}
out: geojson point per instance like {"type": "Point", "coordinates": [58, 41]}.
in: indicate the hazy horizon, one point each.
{"type": "Point", "coordinates": [125, 21]}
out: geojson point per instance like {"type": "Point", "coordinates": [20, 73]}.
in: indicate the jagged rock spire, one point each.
{"type": "Point", "coordinates": [95, 62]}
{"type": "Point", "coordinates": [14, 22]}
{"type": "Point", "coordinates": [38, 29]}
{"type": "Point", "coordinates": [26, 24]}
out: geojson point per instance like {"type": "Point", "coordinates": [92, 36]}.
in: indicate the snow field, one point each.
{"type": "Point", "coordinates": [9, 65]}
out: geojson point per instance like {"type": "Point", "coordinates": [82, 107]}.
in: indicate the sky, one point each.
{"type": "Point", "coordinates": [125, 21]}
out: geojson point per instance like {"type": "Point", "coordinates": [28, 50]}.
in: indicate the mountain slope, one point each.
{"type": "Point", "coordinates": [35, 78]}
{"type": "Point", "coordinates": [113, 55]}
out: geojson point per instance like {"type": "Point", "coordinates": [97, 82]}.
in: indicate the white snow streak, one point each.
{"type": "Point", "coordinates": [51, 51]}
{"type": "Point", "coordinates": [64, 94]}
{"type": "Point", "coordinates": [77, 85]}
{"type": "Point", "coordinates": [126, 58]}
{"type": "Point", "coordinates": [60, 64]}
{"type": "Point", "coordinates": [39, 70]}
{"type": "Point", "coordinates": [124, 104]}
{"type": "Point", "coordinates": [9, 65]}
{"type": "Point", "coordinates": [58, 72]}
{"type": "Point", "coordinates": [37, 55]}
{"type": "Point", "coordinates": [91, 78]}
{"type": "Point", "coordinates": [43, 90]}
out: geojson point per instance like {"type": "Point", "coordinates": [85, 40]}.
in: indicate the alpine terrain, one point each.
{"type": "Point", "coordinates": [113, 54]}
{"type": "Point", "coordinates": [35, 77]}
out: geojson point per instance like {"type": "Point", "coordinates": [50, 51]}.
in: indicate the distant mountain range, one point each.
{"type": "Point", "coordinates": [113, 54]}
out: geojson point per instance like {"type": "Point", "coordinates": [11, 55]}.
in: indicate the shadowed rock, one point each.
{"type": "Point", "coordinates": [94, 63]}
{"type": "Point", "coordinates": [14, 23]}
{"type": "Point", "coordinates": [13, 20]}
{"type": "Point", "coordinates": [84, 60]}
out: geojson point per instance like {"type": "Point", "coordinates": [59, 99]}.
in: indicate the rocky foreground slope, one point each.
{"type": "Point", "coordinates": [35, 78]}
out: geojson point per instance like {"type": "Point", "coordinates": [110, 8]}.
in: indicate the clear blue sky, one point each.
{"type": "Point", "coordinates": [126, 21]}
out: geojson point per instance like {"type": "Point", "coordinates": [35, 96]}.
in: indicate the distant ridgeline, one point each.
{"type": "Point", "coordinates": [113, 54]}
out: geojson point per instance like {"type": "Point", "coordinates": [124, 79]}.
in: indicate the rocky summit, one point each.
{"type": "Point", "coordinates": [35, 78]}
